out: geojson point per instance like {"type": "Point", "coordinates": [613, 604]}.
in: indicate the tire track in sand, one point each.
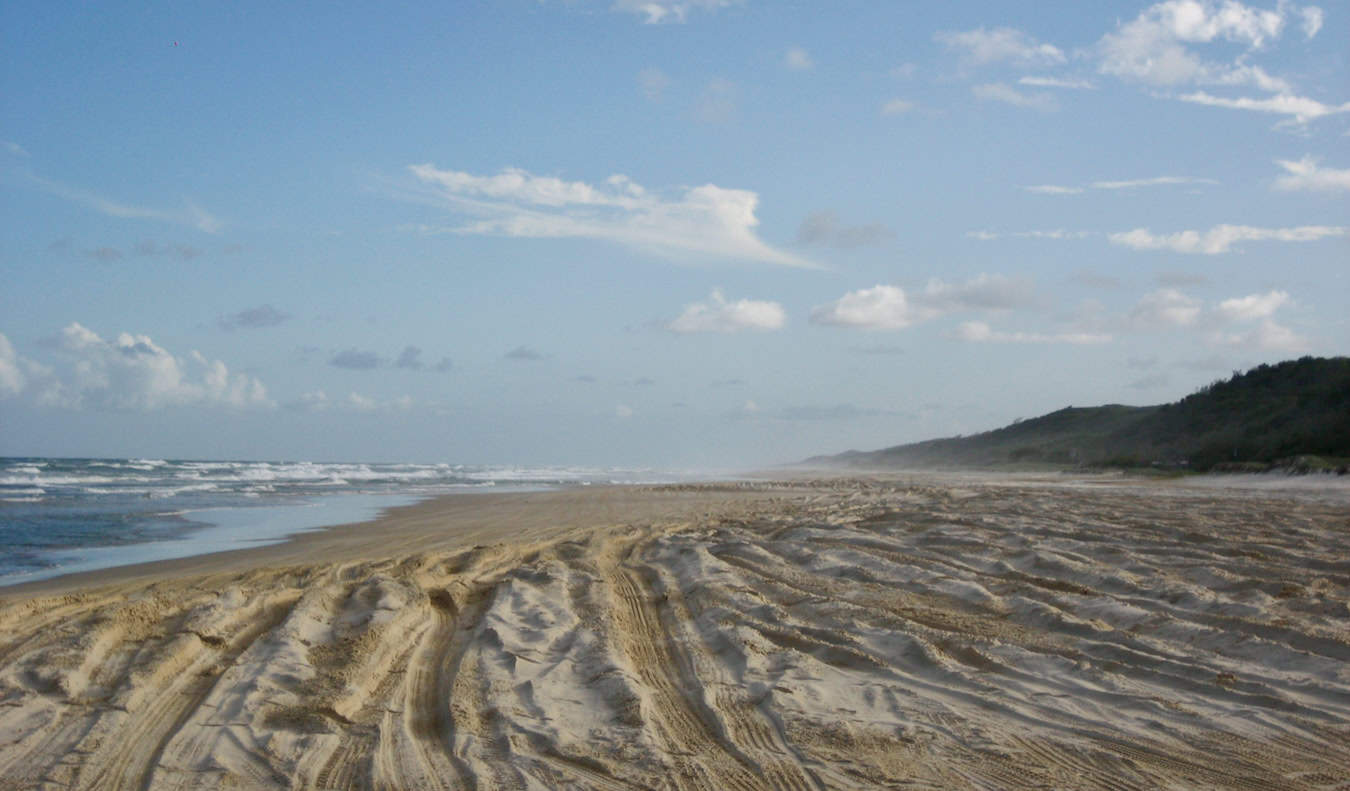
{"type": "Point", "coordinates": [138, 748]}
{"type": "Point", "coordinates": [696, 745]}
{"type": "Point", "coordinates": [424, 724]}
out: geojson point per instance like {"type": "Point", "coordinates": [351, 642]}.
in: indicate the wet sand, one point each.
{"type": "Point", "coordinates": [911, 632]}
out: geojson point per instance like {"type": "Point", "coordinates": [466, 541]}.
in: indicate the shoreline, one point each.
{"type": "Point", "coordinates": [346, 541]}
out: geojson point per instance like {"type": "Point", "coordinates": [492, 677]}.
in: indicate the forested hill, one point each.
{"type": "Point", "coordinates": [1270, 414]}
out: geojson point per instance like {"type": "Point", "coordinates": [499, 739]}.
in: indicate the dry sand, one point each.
{"type": "Point", "coordinates": [916, 632]}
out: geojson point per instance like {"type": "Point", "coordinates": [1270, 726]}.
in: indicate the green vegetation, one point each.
{"type": "Point", "coordinates": [1294, 414]}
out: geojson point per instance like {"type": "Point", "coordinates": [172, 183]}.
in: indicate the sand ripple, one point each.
{"type": "Point", "coordinates": [819, 634]}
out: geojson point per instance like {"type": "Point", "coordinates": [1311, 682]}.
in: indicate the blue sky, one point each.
{"type": "Point", "coordinates": [681, 233]}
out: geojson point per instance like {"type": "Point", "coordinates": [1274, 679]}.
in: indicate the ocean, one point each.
{"type": "Point", "coordinates": [59, 516]}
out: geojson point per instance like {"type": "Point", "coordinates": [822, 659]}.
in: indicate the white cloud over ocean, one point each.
{"type": "Point", "coordinates": [127, 372]}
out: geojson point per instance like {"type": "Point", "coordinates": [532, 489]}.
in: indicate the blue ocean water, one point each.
{"type": "Point", "coordinates": [63, 515]}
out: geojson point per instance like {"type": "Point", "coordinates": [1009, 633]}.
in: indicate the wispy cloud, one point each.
{"type": "Point", "coordinates": [1268, 335]}
{"type": "Point", "coordinates": [1155, 181]}
{"type": "Point", "coordinates": [1051, 233]}
{"type": "Point", "coordinates": [798, 59]}
{"type": "Point", "coordinates": [190, 214]}
{"type": "Point", "coordinates": [653, 83]}
{"type": "Point", "coordinates": [1056, 82]}
{"type": "Point", "coordinates": [980, 332]}
{"type": "Point", "coordinates": [1052, 189]}
{"type": "Point", "coordinates": [1306, 174]}
{"type": "Point", "coordinates": [1160, 48]}
{"type": "Point", "coordinates": [717, 104]}
{"type": "Point", "coordinates": [654, 12]}
{"type": "Point", "coordinates": [1247, 321]}
{"type": "Point", "coordinates": [896, 107]}
{"type": "Point", "coordinates": [1001, 92]}
{"type": "Point", "coordinates": [720, 315]}
{"type": "Point", "coordinates": [1164, 308]}
{"type": "Point", "coordinates": [1124, 184]}
{"type": "Point", "coordinates": [706, 222]}
{"type": "Point", "coordinates": [1001, 45]}
{"type": "Point", "coordinates": [1301, 108]}
{"type": "Point", "coordinates": [1220, 238]}
{"type": "Point", "coordinates": [1156, 46]}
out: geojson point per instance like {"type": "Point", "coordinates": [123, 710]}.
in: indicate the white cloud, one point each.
{"type": "Point", "coordinates": [623, 411]}
{"type": "Point", "coordinates": [896, 107]}
{"type": "Point", "coordinates": [1312, 20]}
{"type": "Point", "coordinates": [653, 83]}
{"type": "Point", "coordinates": [1000, 92]}
{"type": "Point", "coordinates": [878, 308]}
{"type": "Point", "coordinates": [1165, 308]}
{"type": "Point", "coordinates": [719, 315]}
{"type": "Point", "coordinates": [1154, 181]}
{"type": "Point", "coordinates": [314, 401]}
{"type": "Point", "coordinates": [1149, 182]}
{"type": "Point", "coordinates": [658, 11]}
{"type": "Point", "coordinates": [884, 307]}
{"type": "Point", "coordinates": [1301, 108]}
{"type": "Point", "coordinates": [318, 401]}
{"type": "Point", "coordinates": [1220, 238]}
{"type": "Point", "coordinates": [1305, 174]}
{"type": "Point", "coordinates": [1053, 233]}
{"type": "Point", "coordinates": [1053, 189]}
{"type": "Point", "coordinates": [979, 332]}
{"type": "Point", "coordinates": [702, 222]}
{"type": "Point", "coordinates": [1153, 47]}
{"type": "Point", "coordinates": [1268, 336]}
{"type": "Point", "coordinates": [979, 47]}
{"type": "Point", "coordinates": [12, 379]}
{"type": "Point", "coordinates": [1168, 309]}
{"type": "Point", "coordinates": [362, 403]}
{"type": "Point", "coordinates": [1252, 307]}
{"type": "Point", "coordinates": [133, 372]}
{"type": "Point", "coordinates": [798, 59]}
{"type": "Point", "coordinates": [1056, 82]}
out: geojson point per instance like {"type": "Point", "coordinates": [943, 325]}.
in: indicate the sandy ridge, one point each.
{"type": "Point", "coordinates": [907, 632]}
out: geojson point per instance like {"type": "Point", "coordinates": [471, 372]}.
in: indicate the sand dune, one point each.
{"type": "Point", "coordinates": [863, 633]}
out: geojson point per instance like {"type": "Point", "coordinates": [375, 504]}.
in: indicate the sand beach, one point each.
{"type": "Point", "coordinates": [905, 631]}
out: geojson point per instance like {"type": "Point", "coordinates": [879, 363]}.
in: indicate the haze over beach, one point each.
{"type": "Point", "coordinates": [386, 395]}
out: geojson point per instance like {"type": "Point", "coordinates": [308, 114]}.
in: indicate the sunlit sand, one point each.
{"type": "Point", "coordinates": [909, 631]}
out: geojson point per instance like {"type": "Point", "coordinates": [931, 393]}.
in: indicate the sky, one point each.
{"type": "Point", "coordinates": [702, 234]}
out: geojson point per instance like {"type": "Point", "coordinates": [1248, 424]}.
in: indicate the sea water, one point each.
{"type": "Point", "coordinates": [59, 516]}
